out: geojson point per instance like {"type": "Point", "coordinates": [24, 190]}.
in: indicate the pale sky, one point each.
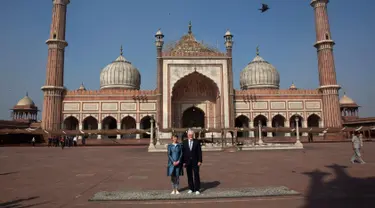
{"type": "Point", "coordinates": [97, 28]}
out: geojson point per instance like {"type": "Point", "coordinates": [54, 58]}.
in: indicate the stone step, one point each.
{"type": "Point", "coordinates": [207, 194]}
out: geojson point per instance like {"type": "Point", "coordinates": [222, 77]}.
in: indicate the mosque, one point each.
{"type": "Point", "coordinates": [194, 89]}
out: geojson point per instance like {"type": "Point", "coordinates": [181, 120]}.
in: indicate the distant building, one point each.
{"type": "Point", "coordinates": [349, 112]}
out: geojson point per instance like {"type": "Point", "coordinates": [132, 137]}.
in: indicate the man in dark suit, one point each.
{"type": "Point", "coordinates": [192, 160]}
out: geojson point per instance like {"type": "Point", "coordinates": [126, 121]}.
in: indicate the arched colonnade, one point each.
{"type": "Point", "coordinates": [277, 120]}
{"type": "Point", "coordinates": [107, 123]}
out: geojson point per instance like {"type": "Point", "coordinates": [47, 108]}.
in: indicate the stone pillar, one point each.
{"type": "Point", "coordinates": [151, 145]}
{"type": "Point", "coordinates": [298, 142]}
{"type": "Point", "coordinates": [304, 125]}
{"type": "Point", "coordinates": [54, 85]}
{"type": "Point", "coordinates": [269, 124]}
{"type": "Point", "coordinates": [118, 128]}
{"type": "Point", "coordinates": [326, 65]}
{"type": "Point", "coordinates": [251, 125]}
{"type": "Point", "coordinates": [287, 124]}
{"type": "Point", "coordinates": [260, 142]}
{"type": "Point", "coordinates": [138, 126]}
{"type": "Point", "coordinates": [99, 128]}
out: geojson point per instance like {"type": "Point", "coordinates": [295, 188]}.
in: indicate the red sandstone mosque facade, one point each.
{"type": "Point", "coordinates": [194, 88]}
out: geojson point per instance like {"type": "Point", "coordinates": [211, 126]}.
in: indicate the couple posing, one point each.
{"type": "Point", "coordinates": [188, 155]}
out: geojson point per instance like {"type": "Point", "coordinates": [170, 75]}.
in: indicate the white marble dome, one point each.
{"type": "Point", "coordinates": [120, 74]}
{"type": "Point", "coordinates": [259, 74]}
{"type": "Point", "coordinates": [26, 101]}
{"type": "Point", "coordinates": [345, 100]}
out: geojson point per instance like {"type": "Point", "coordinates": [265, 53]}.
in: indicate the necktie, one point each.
{"type": "Point", "coordinates": [191, 145]}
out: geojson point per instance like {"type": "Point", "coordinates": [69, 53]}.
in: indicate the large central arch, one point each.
{"type": "Point", "coordinates": [200, 92]}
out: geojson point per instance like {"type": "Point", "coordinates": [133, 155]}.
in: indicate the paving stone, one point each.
{"type": "Point", "coordinates": [208, 194]}
{"type": "Point", "coordinates": [138, 177]}
{"type": "Point", "coordinates": [85, 174]}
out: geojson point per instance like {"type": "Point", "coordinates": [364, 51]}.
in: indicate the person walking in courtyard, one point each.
{"type": "Point", "coordinates": [192, 160]}
{"type": "Point", "coordinates": [174, 163]}
{"type": "Point", "coordinates": [62, 142]}
{"type": "Point", "coordinates": [357, 145]}
{"type": "Point", "coordinates": [310, 137]}
{"type": "Point", "coordinates": [33, 141]}
{"type": "Point", "coordinates": [75, 141]}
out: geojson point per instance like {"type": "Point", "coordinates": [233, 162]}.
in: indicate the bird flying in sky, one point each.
{"type": "Point", "coordinates": [264, 8]}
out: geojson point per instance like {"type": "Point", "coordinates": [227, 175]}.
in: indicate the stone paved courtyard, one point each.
{"type": "Point", "coordinates": [51, 177]}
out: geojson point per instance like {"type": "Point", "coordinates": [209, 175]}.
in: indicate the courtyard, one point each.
{"type": "Point", "coordinates": [51, 177]}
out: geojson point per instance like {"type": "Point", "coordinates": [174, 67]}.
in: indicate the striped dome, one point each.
{"type": "Point", "coordinates": [259, 74]}
{"type": "Point", "coordinates": [120, 74]}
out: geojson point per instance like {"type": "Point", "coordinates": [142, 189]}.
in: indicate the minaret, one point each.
{"type": "Point", "coordinates": [54, 85]}
{"type": "Point", "coordinates": [327, 74]}
{"type": "Point", "coordinates": [159, 42]}
{"type": "Point", "coordinates": [228, 37]}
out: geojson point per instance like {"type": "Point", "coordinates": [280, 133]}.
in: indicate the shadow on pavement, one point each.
{"type": "Point", "coordinates": [205, 186]}
{"type": "Point", "coordinates": [343, 191]}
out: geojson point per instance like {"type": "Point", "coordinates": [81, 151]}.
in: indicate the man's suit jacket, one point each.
{"type": "Point", "coordinates": [191, 157]}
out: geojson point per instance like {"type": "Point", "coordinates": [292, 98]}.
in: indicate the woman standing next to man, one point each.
{"type": "Point", "coordinates": [174, 165]}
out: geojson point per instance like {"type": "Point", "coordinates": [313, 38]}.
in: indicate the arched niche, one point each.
{"type": "Point", "coordinates": [278, 121]}
{"type": "Point", "coordinates": [128, 122]}
{"type": "Point", "coordinates": [90, 123]}
{"type": "Point", "coordinates": [109, 123]}
{"type": "Point", "coordinates": [71, 123]}
{"type": "Point", "coordinates": [313, 121]}
{"type": "Point", "coordinates": [242, 122]}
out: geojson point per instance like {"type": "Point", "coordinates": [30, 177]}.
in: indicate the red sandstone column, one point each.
{"type": "Point", "coordinates": [54, 85]}
{"type": "Point", "coordinates": [327, 74]}
{"type": "Point", "coordinates": [229, 45]}
{"type": "Point", "coordinates": [159, 42]}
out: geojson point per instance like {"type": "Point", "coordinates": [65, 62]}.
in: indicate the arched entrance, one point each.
{"type": "Point", "coordinates": [71, 123]}
{"type": "Point", "coordinates": [313, 121]}
{"type": "Point", "coordinates": [109, 123]}
{"type": "Point", "coordinates": [195, 90]}
{"type": "Point", "coordinates": [242, 122]}
{"type": "Point", "coordinates": [278, 121]}
{"type": "Point", "coordinates": [263, 120]}
{"type": "Point", "coordinates": [193, 117]}
{"type": "Point", "coordinates": [90, 123]}
{"type": "Point", "coordinates": [128, 123]}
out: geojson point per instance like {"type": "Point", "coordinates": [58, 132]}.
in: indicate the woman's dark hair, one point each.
{"type": "Point", "coordinates": [175, 135]}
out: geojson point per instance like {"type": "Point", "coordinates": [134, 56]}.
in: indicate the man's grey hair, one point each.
{"type": "Point", "coordinates": [189, 131]}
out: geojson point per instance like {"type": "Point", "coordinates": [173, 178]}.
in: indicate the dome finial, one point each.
{"type": "Point", "coordinates": [121, 50]}
{"type": "Point", "coordinates": [257, 50]}
{"type": "Point", "coordinates": [190, 26]}
{"type": "Point", "coordinates": [27, 93]}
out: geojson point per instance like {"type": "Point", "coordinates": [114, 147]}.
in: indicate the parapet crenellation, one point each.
{"type": "Point", "coordinates": [194, 54]}
{"type": "Point", "coordinates": [129, 92]}
{"type": "Point", "coordinates": [278, 91]}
